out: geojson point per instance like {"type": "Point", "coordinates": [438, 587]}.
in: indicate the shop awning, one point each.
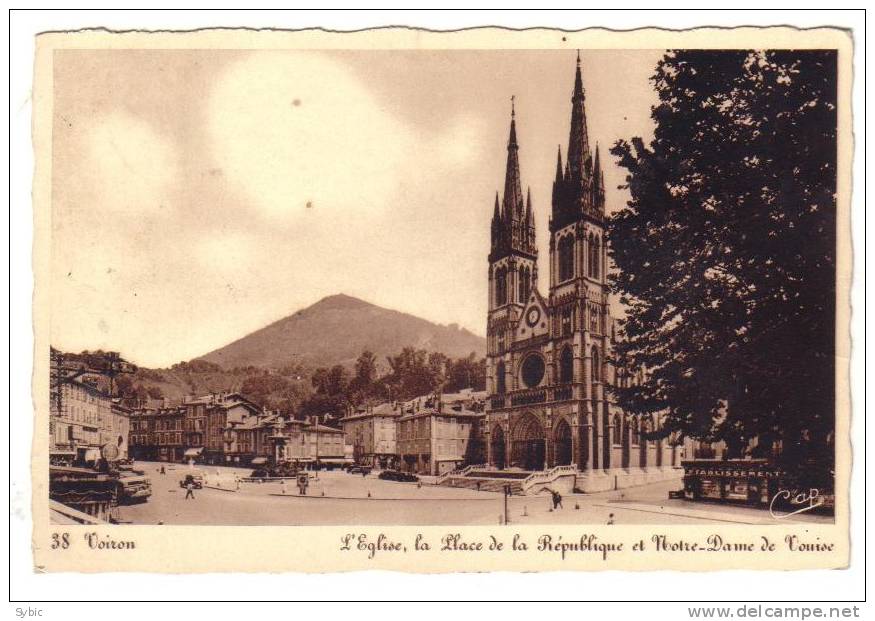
{"type": "Point", "coordinates": [92, 454]}
{"type": "Point", "coordinates": [258, 461]}
{"type": "Point", "coordinates": [194, 452]}
{"type": "Point", "coordinates": [336, 460]}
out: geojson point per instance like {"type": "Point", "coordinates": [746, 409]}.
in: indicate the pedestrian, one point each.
{"type": "Point", "coordinates": [162, 470]}
{"type": "Point", "coordinates": [189, 490]}
{"type": "Point", "coordinates": [610, 519]}
{"type": "Point", "coordinates": [557, 499]}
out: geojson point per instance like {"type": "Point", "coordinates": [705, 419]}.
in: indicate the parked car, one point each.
{"type": "Point", "coordinates": [196, 479]}
{"type": "Point", "coordinates": [133, 486]}
{"type": "Point", "coordinates": [397, 475]}
{"type": "Point", "coordinates": [260, 473]}
{"type": "Point", "coordinates": [359, 470]}
{"type": "Point", "coordinates": [285, 470]}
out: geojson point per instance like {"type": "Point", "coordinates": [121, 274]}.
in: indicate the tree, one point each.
{"type": "Point", "coordinates": [410, 374]}
{"type": "Point", "coordinates": [726, 250]}
{"type": "Point", "coordinates": [467, 372]}
{"type": "Point", "coordinates": [363, 385]}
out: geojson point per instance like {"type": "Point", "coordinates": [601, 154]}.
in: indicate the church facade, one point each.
{"type": "Point", "coordinates": [548, 357]}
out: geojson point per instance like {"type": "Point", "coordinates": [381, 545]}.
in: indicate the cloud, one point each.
{"type": "Point", "coordinates": [296, 132]}
{"type": "Point", "coordinates": [461, 143]}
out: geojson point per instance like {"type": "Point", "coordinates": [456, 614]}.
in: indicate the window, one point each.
{"type": "Point", "coordinates": [596, 258]}
{"type": "Point", "coordinates": [500, 386]}
{"type": "Point", "coordinates": [566, 365]}
{"type": "Point", "coordinates": [596, 365]}
{"type": "Point", "coordinates": [566, 258]}
{"type": "Point", "coordinates": [501, 287]}
{"type": "Point", "coordinates": [525, 283]}
{"type": "Point", "coordinates": [533, 370]}
{"type": "Point", "coordinates": [566, 321]}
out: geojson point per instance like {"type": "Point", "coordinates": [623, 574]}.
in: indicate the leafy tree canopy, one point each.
{"type": "Point", "coordinates": [726, 250]}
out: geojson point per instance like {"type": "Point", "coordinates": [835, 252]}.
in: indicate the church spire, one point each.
{"type": "Point", "coordinates": [578, 140]}
{"type": "Point", "coordinates": [513, 193]}
{"type": "Point", "coordinates": [578, 190]}
{"type": "Point", "coordinates": [513, 221]}
{"type": "Point", "coordinates": [558, 178]}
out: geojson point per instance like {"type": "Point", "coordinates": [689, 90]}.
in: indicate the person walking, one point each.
{"type": "Point", "coordinates": [557, 499]}
{"type": "Point", "coordinates": [610, 519]}
{"type": "Point", "coordinates": [189, 490]}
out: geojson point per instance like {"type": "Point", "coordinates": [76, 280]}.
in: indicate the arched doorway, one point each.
{"type": "Point", "coordinates": [527, 443]}
{"type": "Point", "coordinates": [499, 459]}
{"type": "Point", "coordinates": [562, 439]}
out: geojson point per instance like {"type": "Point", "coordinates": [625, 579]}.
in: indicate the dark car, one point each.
{"type": "Point", "coordinates": [359, 470]}
{"type": "Point", "coordinates": [260, 473]}
{"type": "Point", "coordinates": [196, 480]}
{"type": "Point", "coordinates": [397, 475]}
{"type": "Point", "coordinates": [134, 486]}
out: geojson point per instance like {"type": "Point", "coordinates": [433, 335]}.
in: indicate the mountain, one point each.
{"type": "Point", "coordinates": [336, 330]}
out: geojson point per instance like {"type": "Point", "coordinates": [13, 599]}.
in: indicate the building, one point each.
{"type": "Point", "coordinates": [308, 443]}
{"type": "Point", "coordinates": [80, 421]}
{"type": "Point", "coordinates": [441, 433]}
{"type": "Point", "coordinates": [548, 357]}
{"type": "Point", "coordinates": [156, 434]}
{"type": "Point", "coordinates": [119, 430]}
{"type": "Point", "coordinates": [223, 412]}
{"type": "Point", "coordinates": [248, 441]}
{"type": "Point", "coordinates": [140, 436]}
{"type": "Point", "coordinates": [195, 426]}
{"type": "Point", "coordinates": [371, 433]}
{"type": "Point", "coordinates": [325, 445]}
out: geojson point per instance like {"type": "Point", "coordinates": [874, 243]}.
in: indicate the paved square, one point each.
{"type": "Point", "coordinates": [338, 498]}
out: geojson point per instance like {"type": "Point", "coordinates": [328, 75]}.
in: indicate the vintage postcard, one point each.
{"type": "Point", "coordinates": [465, 301]}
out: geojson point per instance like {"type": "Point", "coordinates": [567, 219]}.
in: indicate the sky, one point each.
{"type": "Point", "coordinates": [199, 195]}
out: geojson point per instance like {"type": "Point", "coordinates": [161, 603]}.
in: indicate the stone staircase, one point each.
{"type": "Point", "coordinates": [484, 484]}
{"type": "Point", "coordinates": [521, 482]}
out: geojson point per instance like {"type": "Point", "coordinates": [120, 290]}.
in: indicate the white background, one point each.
{"type": "Point", "coordinates": [29, 587]}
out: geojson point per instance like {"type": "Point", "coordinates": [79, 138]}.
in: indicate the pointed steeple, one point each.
{"type": "Point", "coordinates": [513, 221]}
{"type": "Point", "coordinates": [578, 80]}
{"type": "Point", "coordinates": [497, 227]}
{"type": "Point", "coordinates": [597, 166]}
{"type": "Point", "coordinates": [513, 193]}
{"type": "Point", "coordinates": [576, 191]}
{"type": "Point", "coordinates": [578, 139]}
{"type": "Point", "coordinates": [558, 164]}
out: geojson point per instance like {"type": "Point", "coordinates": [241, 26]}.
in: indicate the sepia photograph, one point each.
{"type": "Point", "coordinates": [313, 282]}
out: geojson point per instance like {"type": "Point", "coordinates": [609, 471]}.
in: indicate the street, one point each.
{"type": "Point", "coordinates": [337, 497]}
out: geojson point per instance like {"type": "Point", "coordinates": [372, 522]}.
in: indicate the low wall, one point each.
{"type": "Point", "coordinates": [620, 478]}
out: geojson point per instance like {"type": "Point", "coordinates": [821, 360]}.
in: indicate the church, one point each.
{"type": "Point", "coordinates": [548, 357]}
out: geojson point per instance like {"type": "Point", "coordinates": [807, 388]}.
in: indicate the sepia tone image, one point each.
{"type": "Point", "coordinates": [426, 287]}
